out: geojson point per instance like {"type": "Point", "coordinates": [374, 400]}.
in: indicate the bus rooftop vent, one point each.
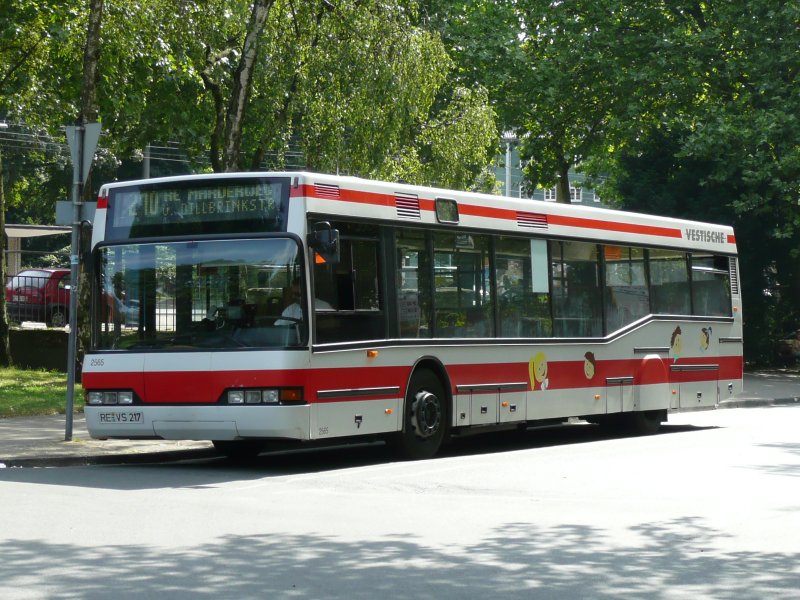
{"type": "Point", "coordinates": [407, 206]}
{"type": "Point", "coordinates": [326, 190]}
{"type": "Point", "coordinates": [531, 220]}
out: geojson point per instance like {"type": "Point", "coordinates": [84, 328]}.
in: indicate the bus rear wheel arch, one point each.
{"type": "Point", "coordinates": [425, 416]}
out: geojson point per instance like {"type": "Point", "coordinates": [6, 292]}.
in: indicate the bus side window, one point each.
{"type": "Point", "coordinates": [669, 278]}
{"type": "Point", "coordinates": [577, 309]}
{"type": "Point", "coordinates": [626, 293]}
{"type": "Point", "coordinates": [348, 302]}
{"type": "Point", "coordinates": [523, 288]}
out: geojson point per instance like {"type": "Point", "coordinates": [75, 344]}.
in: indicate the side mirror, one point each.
{"type": "Point", "coordinates": [325, 241]}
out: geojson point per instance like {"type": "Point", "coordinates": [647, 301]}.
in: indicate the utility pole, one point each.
{"type": "Point", "coordinates": [146, 162]}
{"type": "Point", "coordinates": [82, 140]}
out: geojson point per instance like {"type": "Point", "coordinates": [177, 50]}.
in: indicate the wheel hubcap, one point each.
{"type": "Point", "coordinates": [426, 414]}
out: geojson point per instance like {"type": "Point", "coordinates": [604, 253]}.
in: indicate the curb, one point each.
{"type": "Point", "coordinates": [758, 402]}
{"type": "Point", "coordinates": [111, 459]}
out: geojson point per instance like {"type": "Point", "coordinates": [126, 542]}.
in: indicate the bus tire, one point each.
{"type": "Point", "coordinates": [239, 449]}
{"type": "Point", "coordinates": [644, 422]}
{"type": "Point", "coordinates": [424, 417]}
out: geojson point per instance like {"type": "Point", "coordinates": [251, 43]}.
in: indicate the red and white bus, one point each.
{"type": "Point", "coordinates": [296, 306]}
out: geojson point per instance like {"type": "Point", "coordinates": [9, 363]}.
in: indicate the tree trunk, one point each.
{"type": "Point", "coordinates": [242, 84]}
{"type": "Point", "coordinates": [562, 186]}
{"type": "Point", "coordinates": [91, 59]}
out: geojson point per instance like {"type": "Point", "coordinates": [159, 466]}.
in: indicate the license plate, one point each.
{"type": "Point", "coordinates": [19, 299]}
{"type": "Point", "coordinates": [121, 416]}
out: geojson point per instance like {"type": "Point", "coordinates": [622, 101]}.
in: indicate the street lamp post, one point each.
{"type": "Point", "coordinates": [5, 348]}
{"type": "Point", "coordinates": [509, 138]}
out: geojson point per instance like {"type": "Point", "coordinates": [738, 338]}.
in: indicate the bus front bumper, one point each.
{"type": "Point", "coordinates": [198, 422]}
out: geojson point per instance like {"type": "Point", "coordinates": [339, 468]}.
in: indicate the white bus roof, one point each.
{"type": "Point", "coordinates": [411, 204]}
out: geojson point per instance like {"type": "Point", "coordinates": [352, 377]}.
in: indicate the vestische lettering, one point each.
{"type": "Point", "coordinates": [704, 235]}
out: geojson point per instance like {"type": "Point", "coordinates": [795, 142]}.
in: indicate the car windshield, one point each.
{"type": "Point", "coordinates": [196, 295]}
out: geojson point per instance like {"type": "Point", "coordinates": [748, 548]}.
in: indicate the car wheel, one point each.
{"type": "Point", "coordinates": [57, 317]}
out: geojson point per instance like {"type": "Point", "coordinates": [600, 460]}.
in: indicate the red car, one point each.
{"type": "Point", "coordinates": [39, 295]}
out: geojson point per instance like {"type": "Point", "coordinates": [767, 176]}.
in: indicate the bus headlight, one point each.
{"type": "Point", "coordinates": [264, 396]}
{"type": "Point", "coordinates": [100, 398]}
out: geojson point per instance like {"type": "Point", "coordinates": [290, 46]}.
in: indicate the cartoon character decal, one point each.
{"type": "Point", "coordinates": [705, 338]}
{"type": "Point", "coordinates": [537, 369]}
{"type": "Point", "coordinates": [676, 344]}
{"type": "Point", "coordinates": [589, 365]}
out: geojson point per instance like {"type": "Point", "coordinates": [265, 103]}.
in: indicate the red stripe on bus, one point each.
{"type": "Point", "coordinates": [388, 200]}
{"type": "Point", "coordinates": [204, 387]}
{"type": "Point", "coordinates": [614, 226]}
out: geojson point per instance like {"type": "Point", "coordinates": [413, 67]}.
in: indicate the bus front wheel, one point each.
{"type": "Point", "coordinates": [424, 417]}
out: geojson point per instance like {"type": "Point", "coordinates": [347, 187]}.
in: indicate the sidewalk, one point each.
{"type": "Point", "coordinates": [39, 441]}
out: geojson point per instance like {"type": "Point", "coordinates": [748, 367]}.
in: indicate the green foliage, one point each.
{"type": "Point", "coordinates": [683, 107]}
{"type": "Point", "coordinates": [27, 393]}
{"type": "Point", "coordinates": [359, 87]}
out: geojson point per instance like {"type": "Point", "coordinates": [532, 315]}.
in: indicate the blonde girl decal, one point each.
{"type": "Point", "coordinates": [537, 369]}
{"type": "Point", "coordinates": [676, 344]}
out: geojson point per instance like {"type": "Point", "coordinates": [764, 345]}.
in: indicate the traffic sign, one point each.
{"type": "Point", "coordinates": [91, 133]}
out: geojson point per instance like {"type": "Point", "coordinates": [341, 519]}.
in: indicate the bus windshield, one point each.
{"type": "Point", "coordinates": [198, 295]}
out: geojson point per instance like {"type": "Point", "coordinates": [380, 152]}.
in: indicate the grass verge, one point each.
{"type": "Point", "coordinates": [28, 393]}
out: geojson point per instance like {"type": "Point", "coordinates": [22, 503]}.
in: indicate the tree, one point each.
{"type": "Point", "coordinates": [732, 137]}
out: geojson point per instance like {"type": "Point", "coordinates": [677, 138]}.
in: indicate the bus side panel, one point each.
{"type": "Point", "coordinates": [351, 418]}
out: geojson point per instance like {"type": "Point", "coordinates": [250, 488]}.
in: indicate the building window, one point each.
{"type": "Point", "coordinates": [575, 194]}
{"type": "Point", "coordinates": [550, 195]}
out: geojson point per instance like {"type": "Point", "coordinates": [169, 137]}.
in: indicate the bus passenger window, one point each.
{"type": "Point", "coordinates": [414, 285]}
{"type": "Point", "coordinates": [711, 285]}
{"type": "Point", "coordinates": [626, 294]}
{"type": "Point", "coordinates": [522, 291]}
{"type": "Point", "coordinates": [461, 290]}
{"type": "Point", "coordinates": [669, 281]}
{"type": "Point", "coordinates": [576, 290]}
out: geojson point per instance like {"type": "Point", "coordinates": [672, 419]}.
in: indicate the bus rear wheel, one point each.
{"type": "Point", "coordinates": [424, 417]}
{"type": "Point", "coordinates": [645, 422]}
{"type": "Point", "coordinates": [239, 449]}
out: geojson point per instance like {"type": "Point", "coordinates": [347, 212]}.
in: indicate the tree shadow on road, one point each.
{"type": "Point", "coordinates": [679, 558]}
